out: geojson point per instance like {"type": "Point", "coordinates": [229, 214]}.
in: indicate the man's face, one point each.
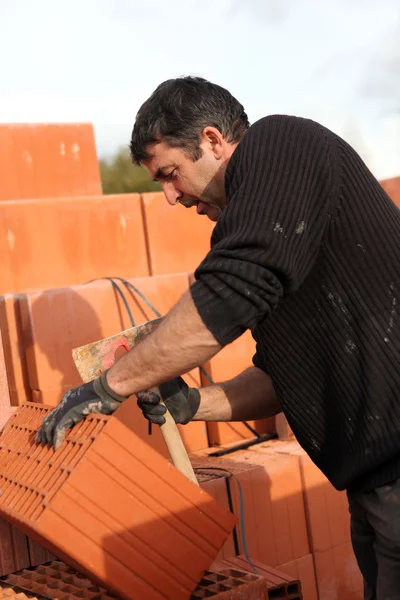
{"type": "Point", "coordinates": [191, 183]}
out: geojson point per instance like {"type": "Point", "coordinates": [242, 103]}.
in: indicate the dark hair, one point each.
{"type": "Point", "coordinates": [178, 111]}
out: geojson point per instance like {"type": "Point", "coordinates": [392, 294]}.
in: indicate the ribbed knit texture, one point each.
{"type": "Point", "coordinates": [306, 254]}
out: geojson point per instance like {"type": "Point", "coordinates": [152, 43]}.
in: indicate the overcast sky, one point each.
{"type": "Point", "coordinates": [336, 61]}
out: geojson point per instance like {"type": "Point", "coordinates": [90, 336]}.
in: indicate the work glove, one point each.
{"type": "Point", "coordinates": [181, 401]}
{"type": "Point", "coordinates": [93, 397]}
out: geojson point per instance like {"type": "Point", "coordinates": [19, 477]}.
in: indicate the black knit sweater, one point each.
{"type": "Point", "coordinates": [306, 255]}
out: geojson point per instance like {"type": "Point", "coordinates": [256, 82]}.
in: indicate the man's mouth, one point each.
{"type": "Point", "coordinates": [201, 208]}
{"type": "Point", "coordinates": [189, 203]}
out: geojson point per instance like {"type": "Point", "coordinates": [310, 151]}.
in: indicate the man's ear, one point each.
{"type": "Point", "coordinates": [214, 139]}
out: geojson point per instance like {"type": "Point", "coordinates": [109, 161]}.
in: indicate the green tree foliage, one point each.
{"type": "Point", "coordinates": [120, 176]}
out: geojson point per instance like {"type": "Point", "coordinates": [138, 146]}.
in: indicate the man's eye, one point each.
{"type": "Point", "coordinates": [170, 175]}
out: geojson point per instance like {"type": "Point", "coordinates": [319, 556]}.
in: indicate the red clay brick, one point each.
{"type": "Point", "coordinates": [274, 517]}
{"type": "Point", "coordinates": [338, 575]}
{"type": "Point", "coordinates": [69, 241]}
{"type": "Point", "coordinates": [178, 239]}
{"type": "Point", "coordinates": [110, 506]}
{"type": "Point", "coordinates": [215, 484]}
{"type": "Point", "coordinates": [13, 548]}
{"type": "Point", "coordinates": [248, 478]}
{"type": "Point", "coordinates": [327, 511]}
{"type": "Point", "coordinates": [231, 584]}
{"type": "Point", "coordinates": [37, 554]}
{"type": "Point", "coordinates": [278, 584]}
{"type": "Point", "coordinates": [14, 351]}
{"type": "Point", "coordinates": [303, 570]}
{"type": "Point", "coordinates": [55, 580]}
{"type": "Point", "coordinates": [48, 160]}
{"type": "Point", "coordinates": [54, 322]}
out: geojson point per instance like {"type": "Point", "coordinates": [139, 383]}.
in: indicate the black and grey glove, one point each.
{"type": "Point", "coordinates": [93, 397]}
{"type": "Point", "coordinates": [181, 401]}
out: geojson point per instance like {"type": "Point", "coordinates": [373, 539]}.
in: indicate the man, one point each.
{"type": "Point", "coordinates": [305, 254]}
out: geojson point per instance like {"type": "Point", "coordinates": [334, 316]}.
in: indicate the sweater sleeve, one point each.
{"type": "Point", "coordinates": [266, 240]}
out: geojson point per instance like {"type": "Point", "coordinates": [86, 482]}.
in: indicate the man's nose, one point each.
{"type": "Point", "coordinates": [171, 193]}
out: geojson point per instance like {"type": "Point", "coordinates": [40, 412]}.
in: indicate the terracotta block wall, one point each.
{"type": "Point", "coordinates": [48, 160]}
{"type": "Point", "coordinates": [56, 321]}
{"type": "Point", "coordinates": [110, 506]}
{"type": "Point", "coordinates": [68, 241]}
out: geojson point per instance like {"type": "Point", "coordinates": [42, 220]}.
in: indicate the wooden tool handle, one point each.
{"type": "Point", "coordinates": [175, 445]}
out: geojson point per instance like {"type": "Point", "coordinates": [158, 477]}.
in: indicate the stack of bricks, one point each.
{"type": "Point", "coordinates": [227, 580]}
{"type": "Point", "coordinates": [293, 518]}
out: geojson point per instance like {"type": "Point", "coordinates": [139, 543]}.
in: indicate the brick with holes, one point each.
{"type": "Point", "coordinates": [110, 506]}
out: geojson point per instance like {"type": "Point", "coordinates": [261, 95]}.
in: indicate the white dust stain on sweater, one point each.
{"type": "Point", "coordinates": [278, 228]}
{"type": "Point", "coordinates": [393, 309]}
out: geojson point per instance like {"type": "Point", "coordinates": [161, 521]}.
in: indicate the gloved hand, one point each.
{"type": "Point", "coordinates": [93, 397]}
{"type": "Point", "coordinates": [181, 401]}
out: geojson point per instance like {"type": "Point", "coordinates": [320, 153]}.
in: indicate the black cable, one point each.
{"type": "Point", "coordinates": [130, 285]}
{"type": "Point", "coordinates": [230, 504]}
{"type": "Point", "coordinates": [124, 300]}
{"type": "Point", "coordinates": [206, 375]}
{"type": "Point", "coordinates": [122, 295]}
{"type": "Point", "coordinates": [139, 293]}
{"type": "Point", "coordinates": [250, 428]}
{"type": "Point", "coordinates": [264, 437]}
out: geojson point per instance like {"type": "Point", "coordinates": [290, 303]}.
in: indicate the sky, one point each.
{"type": "Point", "coordinates": [334, 61]}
